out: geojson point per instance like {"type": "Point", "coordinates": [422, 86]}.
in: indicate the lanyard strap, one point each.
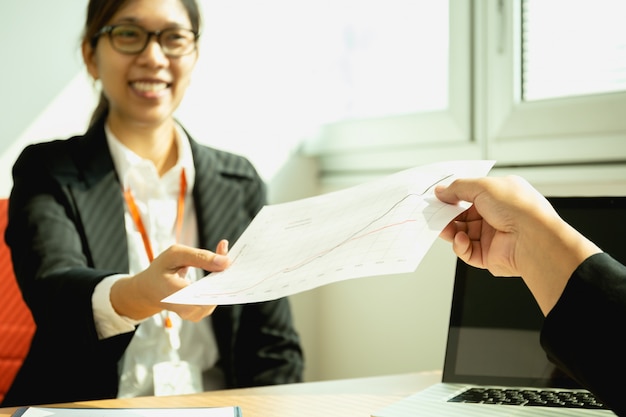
{"type": "Point", "coordinates": [139, 224]}
{"type": "Point", "coordinates": [134, 212]}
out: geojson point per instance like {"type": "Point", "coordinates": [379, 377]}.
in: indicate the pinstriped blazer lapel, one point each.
{"type": "Point", "coordinates": [219, 200]}
{"type": "Point", "coordinates": [208, 191]}
{"type": "Point", "coordinates": [99, 202]}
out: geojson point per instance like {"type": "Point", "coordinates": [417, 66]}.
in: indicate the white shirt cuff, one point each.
{"type": "Point", "coordinates": [108, 322]}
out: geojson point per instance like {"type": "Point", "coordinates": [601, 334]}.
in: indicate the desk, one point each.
{"type": "Point", "coordinates": [357, 397]}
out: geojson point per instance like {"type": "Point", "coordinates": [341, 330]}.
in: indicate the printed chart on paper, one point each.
{"type": "Point", "coordinates": [381, 227]}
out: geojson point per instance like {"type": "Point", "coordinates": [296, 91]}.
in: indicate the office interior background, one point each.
{"type": "Point", "coordinates": [323, 95]}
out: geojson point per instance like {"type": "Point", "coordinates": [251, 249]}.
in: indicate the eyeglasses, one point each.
{"type": "Point", "coordinates": [133, 39]}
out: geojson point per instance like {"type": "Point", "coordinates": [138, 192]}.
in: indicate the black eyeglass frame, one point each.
{"type": "Point", "coordinates": [108, 30]}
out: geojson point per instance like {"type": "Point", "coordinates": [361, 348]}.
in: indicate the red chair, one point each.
{"type": "Point", "coordinates": [16, 322]}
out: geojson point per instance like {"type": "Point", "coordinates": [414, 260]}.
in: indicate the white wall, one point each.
{"type": "Point", "coordinates": [382, 325]}
{"type": "Point", "coordinates": [45, 94]}
{"type": "Point", "coordinates": [39, 43]}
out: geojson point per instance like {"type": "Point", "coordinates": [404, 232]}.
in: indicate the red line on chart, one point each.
{"type": "Point", "coordinates": [314, 257]}
{"type": "Point", "coordinates": [355, 236]}
{"type": "Point", "coordinates": [327, 251]}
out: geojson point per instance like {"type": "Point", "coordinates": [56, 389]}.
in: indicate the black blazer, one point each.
{"type": "Point", "coordinates": [66, 233]}
{"type": "Point", "coordinates": [584, 332]}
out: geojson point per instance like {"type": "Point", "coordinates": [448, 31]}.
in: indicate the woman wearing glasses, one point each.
{"type": "Point", "coordinates": [105, 225]}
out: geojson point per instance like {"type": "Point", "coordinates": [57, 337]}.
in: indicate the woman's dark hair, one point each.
{"type": "Point", "coordinates": [100, 12]}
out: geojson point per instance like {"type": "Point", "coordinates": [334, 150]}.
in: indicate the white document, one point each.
{"type": "Point", "coordinates": [381, 227]}
{"type": "Point", "coordinates": [128, 412]}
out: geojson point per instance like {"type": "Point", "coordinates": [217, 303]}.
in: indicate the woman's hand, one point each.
{"type": "Point", "coordinates": [139, 296]}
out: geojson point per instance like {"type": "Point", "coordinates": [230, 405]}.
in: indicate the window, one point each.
{"type": "Point", "coordinates": [406, 69]}
{"type": "Point", "coordinates": [383, 85]}
{"type": "Point", "coordinates": [389, 58]}
{"type": "Point", "coordinates": [279, 71]}
{"type": "Point", "coordinates": [572, 48]}
{"type": "Point", "coordinates": [558, 119]}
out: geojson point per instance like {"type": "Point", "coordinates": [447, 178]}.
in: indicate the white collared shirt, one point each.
{"type": "Point", "coordinates": [156, 198]}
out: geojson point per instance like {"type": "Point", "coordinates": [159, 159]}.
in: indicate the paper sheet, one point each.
{"type": "Point", "coordinates": [381, 227]}
{"type": "Point", "coordinates": [129, 412]}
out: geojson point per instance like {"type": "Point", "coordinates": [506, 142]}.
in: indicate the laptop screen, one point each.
{"type": "Point", "coordinates": [495, 323]}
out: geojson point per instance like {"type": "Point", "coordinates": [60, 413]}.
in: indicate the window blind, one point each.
{"type": "Point", "coordinates": [572, 48]}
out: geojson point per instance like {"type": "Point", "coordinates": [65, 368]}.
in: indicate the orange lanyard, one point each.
{"type": "Point", "coordinates": [134, 212]}
{"type": "Point", "coordinates": [180, 213]}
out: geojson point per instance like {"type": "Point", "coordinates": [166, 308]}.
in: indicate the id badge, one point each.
{"type": "Point", "coordinates": [176, 378]}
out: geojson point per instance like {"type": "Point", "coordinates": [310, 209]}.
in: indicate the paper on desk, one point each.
{"type": "Point", "coordinates": [128, 412]}
{"type": "Point", "coordinates": [381, 227]}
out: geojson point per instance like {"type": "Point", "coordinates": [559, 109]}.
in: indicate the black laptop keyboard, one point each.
{"type": "Point", "coordinates": [529, 397]}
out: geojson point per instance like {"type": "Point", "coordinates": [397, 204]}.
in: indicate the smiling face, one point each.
{"type": "Point", "coordinates": [146, 88]}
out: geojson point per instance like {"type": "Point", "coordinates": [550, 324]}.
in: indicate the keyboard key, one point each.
{"type": "Point", "coordinates": [529, 397]}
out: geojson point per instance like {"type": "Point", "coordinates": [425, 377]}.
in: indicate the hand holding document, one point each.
{"type": "Point", "coordinates": [382, 227]}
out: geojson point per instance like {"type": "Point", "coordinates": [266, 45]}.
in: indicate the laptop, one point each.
{"type": "Point", "coordinates": [493, 345]}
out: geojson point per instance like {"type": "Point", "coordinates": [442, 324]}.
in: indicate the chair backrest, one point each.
{"type": "Point", "coordinates": [16, 322]}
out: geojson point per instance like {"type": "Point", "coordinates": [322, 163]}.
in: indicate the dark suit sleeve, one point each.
{"type": "Point", "coordinates": [46, 247]}
{"type": "Point", "coordinates": [584, 332]}
{"type": "Point", "coordinates": [54, 270]}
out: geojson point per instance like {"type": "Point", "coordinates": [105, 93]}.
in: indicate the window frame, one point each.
{"type": "Point", "coordinates": [582, 129]}
{"type": "Point", "coordinates": [487, 118]}
{"type": "Point", "coordinates": [396, 142]}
